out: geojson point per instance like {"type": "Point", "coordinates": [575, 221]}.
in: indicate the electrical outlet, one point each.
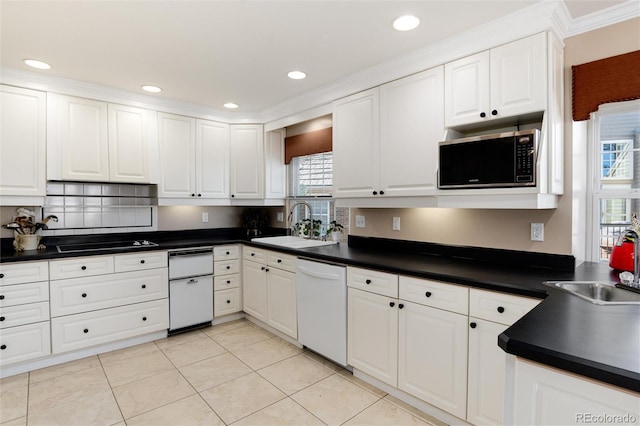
{"type": "Point", "coordinates": [205, 217]}
{"type": "Point", "coordinates": [359, 221]}
{"type": "Point", "coordinates": [280, 217]}
{"type": "Point", "coordinates": [537, 232]}
{"type": "Point", "coordinates": [396, 223]}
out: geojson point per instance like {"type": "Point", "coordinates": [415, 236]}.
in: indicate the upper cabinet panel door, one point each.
{"type": "Point", "coordinates": [467, 90]}
{"type": "Point", "coordinates": [177, 156]}
{"type": "Point", "coordinates": [356, 145]}
{"type": "Point", "coordinates": [275, 169]}
{"type": "Point", "coordinates": [518, 77]}
{"type": "Point", "coordinates": [212, 159]}
{"type": "Point", "coordinates": [132, 134]}
{"type": "Point", "coordinates": [247, 161]}
{"type": "Point", "coordinates": [22, 142]}
{"type": "Point", "coordinates": [411, 125]}
{"type": "Point", "coordinates": [81, 137]}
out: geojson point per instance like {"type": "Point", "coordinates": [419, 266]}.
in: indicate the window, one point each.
{"type": "Point", "coordinates": [311, 181]}
{"type": "Point", "coordinates": [615, 171]}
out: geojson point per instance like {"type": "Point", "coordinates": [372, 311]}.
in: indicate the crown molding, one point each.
{"type": "Point", "coordinates": [613, 15]}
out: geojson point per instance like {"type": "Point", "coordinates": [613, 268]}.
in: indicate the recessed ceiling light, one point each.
{"type": "Point", "coordinates": [37, 64]}
{"type": "Point", "coordinates": [406, 23]}
{"type": "Point", "coordinates": [152, 89]}
{"type": "Point", "coordinates": [296, 75]}
{"type": "Point", "coordinates": [230, 105]}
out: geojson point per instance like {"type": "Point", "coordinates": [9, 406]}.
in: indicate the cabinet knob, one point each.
{"type": "Point", "coordinates": [375, 192]}
{"type": "Point", "coordinates": [1, 296]}
{"type": "Point", "coordinates": [1, 318]}
{"type": "Point", "coordinates": [141, 260]}
{"type": "Point", "coordinates": [228, 301]}
{"type": "Point", "coordinates": [381, 192]}
{"type": "Point", "coordinates": [86, 330]}
{"type": "Point", "coordinates": [199, 195]}
{"type": "Point", "coordinates": [228, 281]}
{"type": "Point", "coordinates": [279, 260]}
{"type": "Point", "coordinates": [392, 304]}
{"type": "Point", "coordinates": [84, 268]}
{"type": "Point", "coordinates": [428, 294]}
{"type": "Point", "coordinates": [228, 253]}
{"type": "Point", "coordinates": [267, 269]}
{"type": "Point", "coordinates": [473, 325]}
{"type": "Point", "coordinates": [144, 318]}
{"type": "Point", "coordinates": [262, 268]}
{"type": "Point", "coordinates": [233, 196]}
{"type": "Point", "coordinates": [143, 286]}
{"type": "Point", "coordinates": [500, 309]}
{"type": "Point", "coordinates": [367, 282]}
{"type": "Point", "coordinates": [253, 254]}
{"type": "Point", "coordinates": [193, 195]}
{"type": "Point", "coordinates": [483, 115]}
{"type": "Point", "coordinates": [84, 294]}
{"type": "Point", "coordinates": [1, 275]}
{"type": "Point", "coordinates": [400, 305]}
{"type": "Point", "coordinates": [494, 112]}
{"type": "Point", "coordinates": [3, 347]}
{"type": "Point", "coordinates": [228, 267]}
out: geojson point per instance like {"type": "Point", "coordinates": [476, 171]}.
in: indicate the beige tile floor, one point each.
{"type": "Point", "coordinates": [231, 374]}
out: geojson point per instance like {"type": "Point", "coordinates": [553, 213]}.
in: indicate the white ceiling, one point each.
{"type": "Point", "coordinates": [211, 52]}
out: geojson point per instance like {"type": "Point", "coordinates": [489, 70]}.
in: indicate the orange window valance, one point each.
{"type": "Point", "coordinates": [308, 143]}
{"type": "Point", "coordinates": [613, 79]}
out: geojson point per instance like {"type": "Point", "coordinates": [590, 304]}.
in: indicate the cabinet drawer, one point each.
{"type": "Point", "coordinates": [226, 302]}
{"type": "Point", "coordinates": [139, 261]}
{"type": "Point", "coordinates": [24, 314]}
{"type": "Point", "coordinates": [77, 295]}
{"type": "Point", "coordinates": [226, 281]}
{"type": "Point", "coordinates": [373, 281]}
{"type": "Point", "coordinates": [226, 267]}
{"type": "Point", "coordinates": [80, 267]}
{"type": "Point", "coordinates": [440, 295]}
{"type": "Point", "coordinates": [226, 252]}
{"type": "Point", "coordinates": [108, 325]}
{"type": "Point", "coordinates": [254, 255]}
{"type": "Point", "coordinates": [24, 343]}
{"type": "Point", "coordinates": [499, 307]}
{"type": "Point", "coordinates": [20, 294]}
{"type": "Point", "coordinates": [23, 272]}
{"type": "Point", "coordinates": [282, 261]}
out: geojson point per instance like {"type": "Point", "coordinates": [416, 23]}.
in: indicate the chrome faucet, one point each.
{"type": "Point", "coordinates": [291, 210]}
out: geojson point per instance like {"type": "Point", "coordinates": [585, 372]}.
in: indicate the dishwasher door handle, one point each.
{"type": "Point", "coordinates": [318, 274]}
{"type": "Point", "coordinates": [192, 281]}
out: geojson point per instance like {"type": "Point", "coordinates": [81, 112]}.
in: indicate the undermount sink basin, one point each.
{"type": "Point", "coordinates": [600, 293]}
{"type": "Point", "coordinates": [292, 242]}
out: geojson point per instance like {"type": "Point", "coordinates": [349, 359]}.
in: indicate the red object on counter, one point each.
{"type": "Point", "coordinates": [622, 254]}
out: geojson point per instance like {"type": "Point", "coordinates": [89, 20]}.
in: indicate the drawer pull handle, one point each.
{"type": "Point", "coordinates": [144, 286]}
{"type": "Point", "coordinates": [144, 318]}
{"type": "Point", "coordinates": [86, 330]}
{"type": "Point", "coordinates": [84, 294]}
{"type": "Point", "coordinates": [1, 275]}
{"type": "Point", "coordinates": [400, 306]}
{"type": "Point", "coordinates": [3, 347]}
{"type": "Point", "coordinates": [473, 325]}
{"type": "Point", "coordinates": [192, 281]}
{"type": "Point", "coordinates": [428, 294]}
{"type": "Point", "coordinates": [84, 268]}
{"type": "Point", "coordinates": [1, 318]}
{"type": "Point", "coordinates": [500, 309]}
{"type": "Point", "coordinates": [1, 296]}
{"type": "Point", "coordinates": [392, 304]}
{"type": "Point", "coordinates": [142, 261]}
{"type": "Point", "coordinates": [228, 301]}
{"type": "Point", "coordinates": [367, 282]}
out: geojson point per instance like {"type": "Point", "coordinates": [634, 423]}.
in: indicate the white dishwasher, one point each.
{"type": "Point", "coordinates": [190, 288]}
{"type": "Point", "coordinates": [322, 309]}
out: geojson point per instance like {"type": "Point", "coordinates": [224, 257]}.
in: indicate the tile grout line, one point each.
{"type": "Point", "coordinates": [111, 389]}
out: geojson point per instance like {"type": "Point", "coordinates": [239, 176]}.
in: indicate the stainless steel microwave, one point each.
{"type": "Point", "coordinates": [489, 161]}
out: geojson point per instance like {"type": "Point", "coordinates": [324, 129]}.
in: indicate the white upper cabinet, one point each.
{"type": "Point", "coordinates": [356, 145]}
{"type": "Point", "coordinates": [89, 140]}
{"type": "Point", "coordinates": [22, 142]}
{"type": "Point", "coordinates": [194, 159]}
{"type": "Point", "coordinates": [506, 81]}
{"type": "Point", "coordinates": [411, 125]}
{"type": "Point", "coordinates": [275, 169]}
{"type": "Point", "coordinates": [247, 161]}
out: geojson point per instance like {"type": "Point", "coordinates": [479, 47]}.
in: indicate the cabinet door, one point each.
{"type": "Point", "coordinates": [247, 156]}
{"type": "Point", "coordinates": [177, 156]}
{"type": "Point", "coordinates": [432, 357]}
{"type": "Point", "coordinates": [411, 125]}
{"type": "Point", "coordinates": [226, 302]}
{"type": "Point", "coordinates": [373, 335]}
{"type": "Point", "coordinates": [281, 301]}
{"type": "Point", "coordinates": [212, 159]}
{"type": "Point", "coordinates": [275, 169]}
{"type": "Point", "coordinates": [518, 77]}
{"type": "Point", "coordinates": [132, 134]}
{"type": "Point", "coordinates": [356, 145]}
{"type": "Point", "coordinates": [467, 91]}
{"type": "Point", "coordinates": [24, 342]}
{"type": "Point", "coordinates": [487, 363]}
{"type": "Point", "coordinates": [22, 142]}
{"type": "Point", "coordinates": [254, 290]}
{"type": "Point", "coordinates": [78, 128]}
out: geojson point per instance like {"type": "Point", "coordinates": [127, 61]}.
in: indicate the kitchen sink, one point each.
{"type": "Point", "coordinates": [103, 245]}
{"type": "Point", "coordinates": [292, 242]}
{"type": "Point", "coordinates": [600, 293]}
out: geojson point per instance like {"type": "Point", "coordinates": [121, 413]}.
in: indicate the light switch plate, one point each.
{"type": "Point", "coordinates": [205, 217]}
{"type": "Point", "coordinates": [396, 223]}
{"type": "Point", "coordinates": [537, 232]}
{"type": "Point", "coordinates": [279, 216]}
{"type": "Point", "coordinates": [359, 221]}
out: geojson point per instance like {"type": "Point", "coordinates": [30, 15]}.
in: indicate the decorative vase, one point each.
{"type": "Point", "coordinates": [26, 242]}
{"type": "Point", "coordinates": [335, 236]}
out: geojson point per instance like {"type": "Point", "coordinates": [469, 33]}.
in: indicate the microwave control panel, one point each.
{"type": "Point", "coordinates": [525, 153]}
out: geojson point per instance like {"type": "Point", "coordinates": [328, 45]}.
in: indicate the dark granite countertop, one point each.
{"type": "Point", "coordinates": [601, 342]}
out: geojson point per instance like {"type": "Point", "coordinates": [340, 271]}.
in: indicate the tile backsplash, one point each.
{"type": "Point", "coordinates": [84, 206]}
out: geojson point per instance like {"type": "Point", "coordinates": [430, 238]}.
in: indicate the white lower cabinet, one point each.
{"type": "Point", "coordinates": [108, 325]}
{"type": "Point", "coordinates": [226, 302]}
{"type": "Point", "coordinates": [254, 290]}
{"type": "Point", "coordinates": [226, 281]}
{"type": "Point", "coordinates": [281, 301]}
{"type": "Point", "coordinates": [24, 342]}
